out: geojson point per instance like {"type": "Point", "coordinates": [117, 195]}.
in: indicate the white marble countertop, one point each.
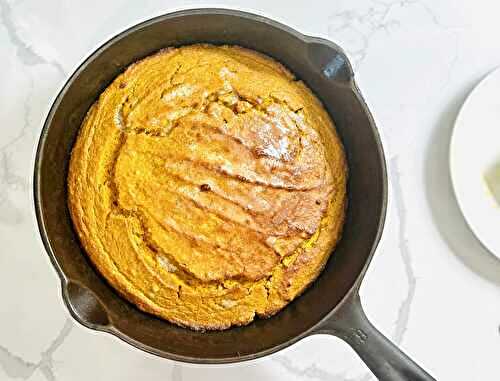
{"type": "Point", "coordinates": [431, 287]}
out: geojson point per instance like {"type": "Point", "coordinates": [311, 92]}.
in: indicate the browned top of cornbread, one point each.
{"type": "Point", "coordinates": [207, 185]}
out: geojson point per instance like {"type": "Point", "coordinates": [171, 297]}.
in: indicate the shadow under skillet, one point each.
{"type": "Point", "coordinates": [446, 213]}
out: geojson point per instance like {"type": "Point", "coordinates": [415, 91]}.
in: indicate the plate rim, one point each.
{"type": "Point", "coordinates": [452, 160]}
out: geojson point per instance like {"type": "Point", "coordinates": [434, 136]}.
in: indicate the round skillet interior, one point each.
{"type": "Point", "coordinates": [326, 70]}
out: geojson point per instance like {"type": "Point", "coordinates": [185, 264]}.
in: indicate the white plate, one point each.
{"type": "Point", "coordinates": [475, 157]}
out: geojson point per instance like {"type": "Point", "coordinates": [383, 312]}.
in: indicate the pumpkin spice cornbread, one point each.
{"type": "Point", "coordinates": [208, 186]}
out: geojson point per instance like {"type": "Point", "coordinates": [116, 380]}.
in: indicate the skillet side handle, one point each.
{"type": "Point", "coordinates": [385, 360]}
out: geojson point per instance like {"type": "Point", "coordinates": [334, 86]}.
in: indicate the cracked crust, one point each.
{"type": "Point", "coordinates": [208, 186]}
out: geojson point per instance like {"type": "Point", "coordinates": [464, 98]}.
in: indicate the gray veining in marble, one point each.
{"type": "Point", "coordinates": [176, 372]}
{"type": "Point", "coordinates": [25, 53]}
{"type": "Point", "coordinates": [46, 363]}
{"type": "Point", "coordinates": [17, 368]}
{"type": "Point", "coordinates": [14, 366]}
{"type": "Point", "coordinates": [364, 25]}
{"type": "Point", "coordinates": [310, 372]}
{"type": "Point", "coordinates": [9, 180]}
{"type": "Point", "coordinates": [404, 308]}
{"type": "Point", "coordinates": [11, 214]}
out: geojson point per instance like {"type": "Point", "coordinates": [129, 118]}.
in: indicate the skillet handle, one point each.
{"type": "Point", "coordinates": [385, 360]}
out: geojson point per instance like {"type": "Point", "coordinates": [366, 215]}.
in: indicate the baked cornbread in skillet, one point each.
{"type": "Point", "coordinates": [208, 186]}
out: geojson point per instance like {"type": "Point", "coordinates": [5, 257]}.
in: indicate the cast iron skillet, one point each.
{"type": "Point", "coordinates": [331, 305]}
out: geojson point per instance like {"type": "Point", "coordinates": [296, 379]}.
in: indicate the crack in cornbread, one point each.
{"type": "Point", "coordinates": [208, 186]}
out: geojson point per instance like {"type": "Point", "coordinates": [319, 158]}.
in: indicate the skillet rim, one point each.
{"type": "Point", "coordinates": [39, 214]}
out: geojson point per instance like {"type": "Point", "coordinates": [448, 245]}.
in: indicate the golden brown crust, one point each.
{"type": "Point", "coordinates": [208, 186]}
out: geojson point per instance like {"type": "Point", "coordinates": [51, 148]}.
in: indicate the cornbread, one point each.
{"type": "Point", "coordinates": [208, 186]}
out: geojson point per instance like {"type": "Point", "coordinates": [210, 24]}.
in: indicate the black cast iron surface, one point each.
{"type": "Point", "coordinates": [331, 304]}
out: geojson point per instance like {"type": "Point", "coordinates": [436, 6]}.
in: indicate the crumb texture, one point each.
{"type": "Point", "coordinates": [208, 186]}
